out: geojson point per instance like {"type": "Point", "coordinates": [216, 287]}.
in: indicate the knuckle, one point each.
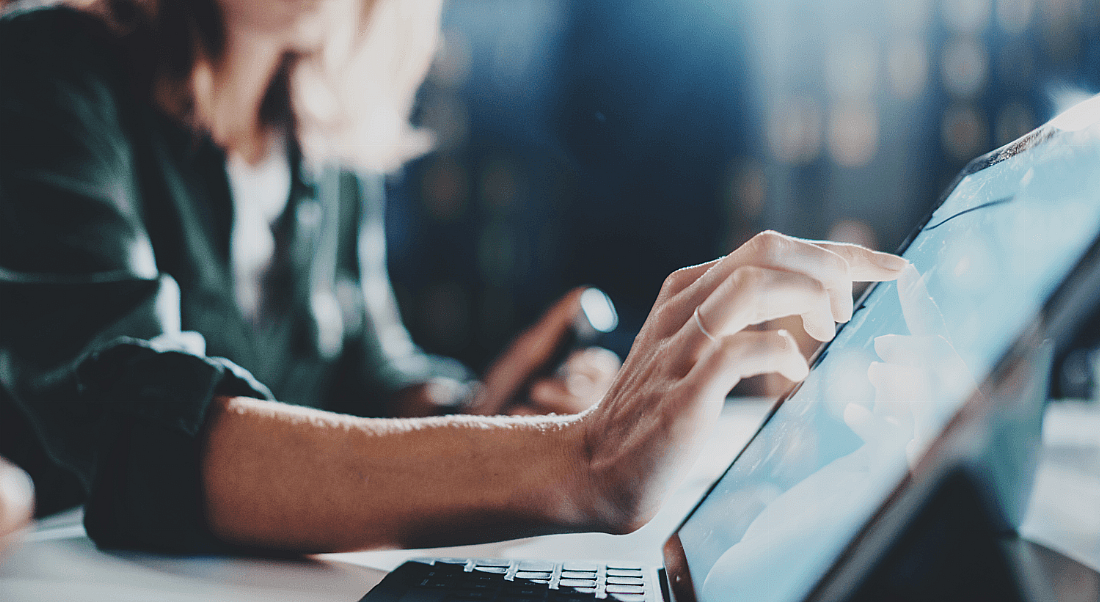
{"type": "Point", "coordinates": [664, 317]}
{"type": "Point", "coordinates": [749, 284]}
{"type": "Point", "coordinates": [749, 277]}
{"type": "Point", "coordinates": [771, 244]}
{"type": "Point", "coordinates": [841, 263]}
{"type": "Point", "coordinates": [819, 289]}
{"type": "Point", "coordinates": [675, 282]}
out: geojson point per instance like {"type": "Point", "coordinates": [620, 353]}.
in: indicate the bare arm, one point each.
{"type": "Point", "coordinates": [291, 478]}
{"type": "Point", "coordinates": [285, 477]}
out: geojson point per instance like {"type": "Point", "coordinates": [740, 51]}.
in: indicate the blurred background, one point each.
{"type": "Point", "coordinates": [610, 142]}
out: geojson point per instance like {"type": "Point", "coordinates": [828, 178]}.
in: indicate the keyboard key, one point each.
{"type": "Point", "coordinates": [624, 572]}
{"type": "Point", "coordinates": [536, 565]}
{"type": "Point", "coordinates": [625, 589]}
{"type": "Point", "coordinates": [578, 575]}
{"type": "Point", "coordinates": [497, 570]}
{"type": "Point", "coordinates": [624, 566]}
{"type": "Point", "coordinates": [586, 567]}
{"type": "Point", "coordinates": [523, 574]}
{"type": "Point", "coordinates": [591, 582]}
{"type": "Point", "coordinates": [611, 579]}
{"type": "Point", "coordinates": [492, 562]}
{"type": "Point", "coordinates": [524, 585]}
{"type": "Point", "coordinates": [627, 597]}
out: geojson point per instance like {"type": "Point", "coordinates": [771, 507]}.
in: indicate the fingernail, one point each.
{"type": "Point", "coordinates": [890, 262]}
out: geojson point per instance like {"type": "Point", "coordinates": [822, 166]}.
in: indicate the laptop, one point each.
{"type": "Point", "coordinates": [941, 371]}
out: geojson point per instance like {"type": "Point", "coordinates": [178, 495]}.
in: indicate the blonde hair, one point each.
{"type": "Point", "coordinates": [347, 100]}
{"type": "Point", "coordinates": [351, 98]}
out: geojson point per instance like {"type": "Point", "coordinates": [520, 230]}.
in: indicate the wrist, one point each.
{"type": "Point", "coordinates": [597, 499]}
{"type": "Point", "coordinates": [612, 489]}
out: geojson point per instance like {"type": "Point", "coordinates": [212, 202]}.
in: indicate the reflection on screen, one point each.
{"type": "Point", "coordinates": [983, 265]}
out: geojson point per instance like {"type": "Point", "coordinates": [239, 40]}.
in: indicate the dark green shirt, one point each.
{"type": "Point", "coordinates": [115, 226]}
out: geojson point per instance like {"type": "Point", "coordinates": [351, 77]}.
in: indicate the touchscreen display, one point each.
{"type": "Point", "coordinates": [982, 266]}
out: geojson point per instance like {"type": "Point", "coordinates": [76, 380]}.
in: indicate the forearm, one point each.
{"type": "Point", "coordinates": [280, 476]}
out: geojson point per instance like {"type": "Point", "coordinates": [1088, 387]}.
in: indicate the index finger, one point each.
{"type": "Point", "coordinates": [864, 264]}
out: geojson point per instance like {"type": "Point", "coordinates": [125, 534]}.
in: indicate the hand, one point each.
{"type": "Point", "coordinates": [641, 438]}
{"type": "Point", "coordinates": [579, 383]}
{"type": "Point", "coordinates": [511, 384]}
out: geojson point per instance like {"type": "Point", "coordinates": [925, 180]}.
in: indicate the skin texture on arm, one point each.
{"type": "Point", "coordinates": [298, 479]}
{"type": "Point", "coordinates": [281, 477]}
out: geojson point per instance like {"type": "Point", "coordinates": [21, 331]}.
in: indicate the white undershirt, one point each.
{"type": "Point", "coordinates": [260, 194]}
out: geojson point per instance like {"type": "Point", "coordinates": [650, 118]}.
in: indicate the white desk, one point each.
{"type": "Point", "coordinates": [57, 562]}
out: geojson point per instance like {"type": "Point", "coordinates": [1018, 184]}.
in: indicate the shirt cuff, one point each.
{"type": "Point", "coordinates": [147, 490]}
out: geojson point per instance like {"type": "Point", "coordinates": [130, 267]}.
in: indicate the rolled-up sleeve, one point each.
{"type": "Point", "coordinates": [92, 360]}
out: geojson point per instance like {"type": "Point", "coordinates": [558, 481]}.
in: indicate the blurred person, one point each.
{"type": "Point", "coordinates": [189, 230]}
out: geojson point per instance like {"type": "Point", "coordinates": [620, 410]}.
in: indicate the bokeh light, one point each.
{"type": "Point", "coordinates": [907, 66]}
{"type": "Point", "coordinates": [853, 133]}
{"type": "Point", "coordinates": [851, 66]}
{"type": "Point", "coordinates": [964, 67]}
{"type": "Point", "coordinates": [794, 130]}
{"type": "Point", "coordinates": [963, 131]}
{"type": "Point", "coordinates": [855, 232]}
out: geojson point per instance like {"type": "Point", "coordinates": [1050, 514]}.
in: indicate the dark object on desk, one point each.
{"type": "Point", "coordinates": [596, 317]}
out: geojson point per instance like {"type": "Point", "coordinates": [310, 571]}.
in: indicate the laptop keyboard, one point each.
{"type": "Point", "coordinates": [481, 580]}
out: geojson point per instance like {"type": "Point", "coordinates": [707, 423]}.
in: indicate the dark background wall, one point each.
{"type": "Point", "coordinates": [610, 142]}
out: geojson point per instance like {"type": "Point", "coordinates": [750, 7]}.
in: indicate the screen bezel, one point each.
{"type": "Point", "coordinates": [675, 560]}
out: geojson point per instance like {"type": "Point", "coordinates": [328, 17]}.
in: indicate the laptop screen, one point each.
{"type": "Point", "coordinates": [983, 265]}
